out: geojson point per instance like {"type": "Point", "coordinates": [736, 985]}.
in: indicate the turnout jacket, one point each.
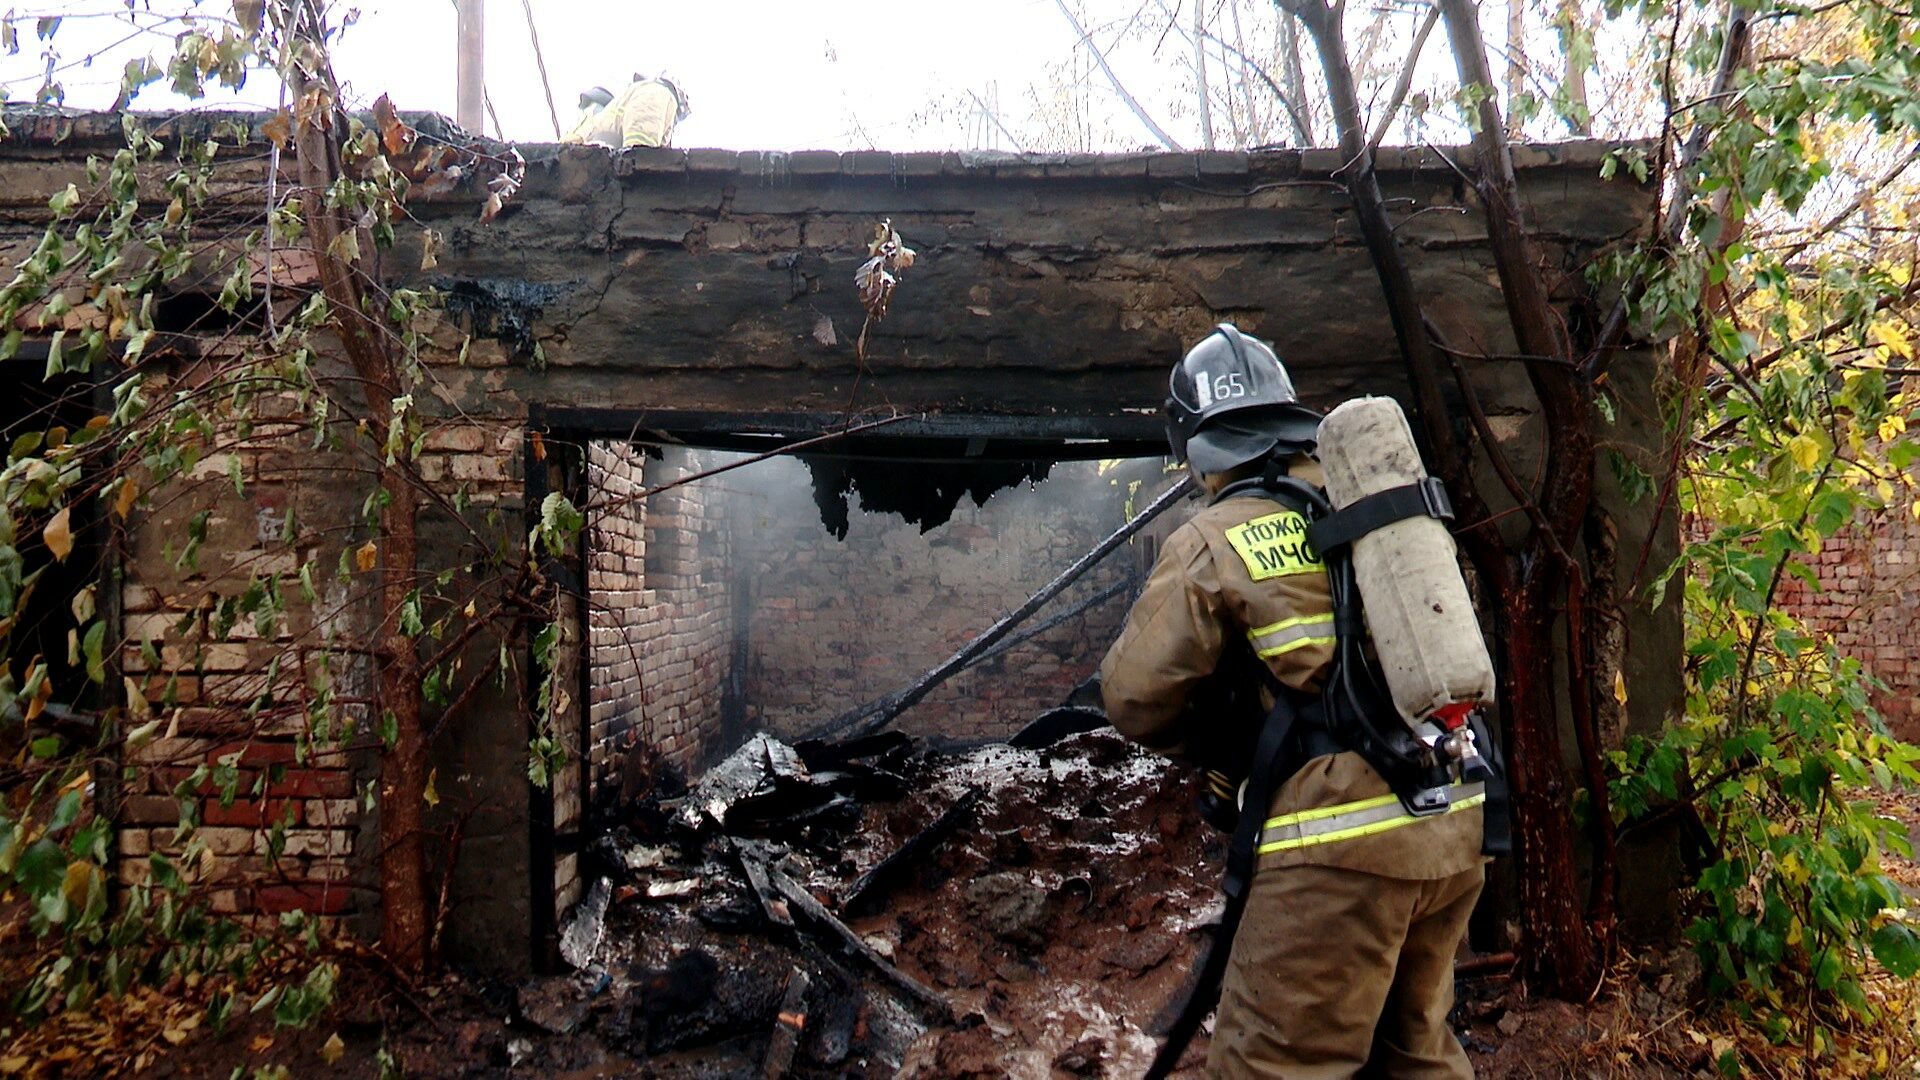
{"type": "Point", "coordinates": [1241, 568]}
{"type": "Point", "coordinates": [643, 115]}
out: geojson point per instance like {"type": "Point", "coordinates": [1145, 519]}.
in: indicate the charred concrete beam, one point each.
{"type": "Point", "coordinates": [1048, 285]}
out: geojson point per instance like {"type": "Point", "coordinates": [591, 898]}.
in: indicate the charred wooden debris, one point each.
{"type": "Point", "coordinates": [873, 906]}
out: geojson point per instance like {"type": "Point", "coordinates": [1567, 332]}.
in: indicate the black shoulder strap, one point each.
{"type": "Point", "coordinates": [1241, 863]}
{"type": "Point", "coordinates": [1427, 498]}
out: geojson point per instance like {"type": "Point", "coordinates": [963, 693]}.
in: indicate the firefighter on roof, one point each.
{"type": "Point", "coordinates": [644, 115]}
{"type": "Point", "coordinates": [1352, 906]}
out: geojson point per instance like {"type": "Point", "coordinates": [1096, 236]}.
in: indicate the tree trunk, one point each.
{"type": "Point", "coordinates": [1296, 79]}
{"type": "Point", "coordinates": [1554, 938]}
{"type": "Point", "coordinates": [1526, 583]}
{"type": "Point", "coordinates": [1516, 62]}
{"type": "Point", "coordinates": [358, 319]}
{"type": "Point", "coordinates": [1575, 43]}
{"type": "Point", "coordinates": [404, 899]}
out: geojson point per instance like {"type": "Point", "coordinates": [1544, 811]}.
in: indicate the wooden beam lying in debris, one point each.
{"type": "Point", "coordinates": [771, 905]}
{"type": "Point", "coordinates": [866, 886]}
{"type": "Point", "coordinates": [814, 916]}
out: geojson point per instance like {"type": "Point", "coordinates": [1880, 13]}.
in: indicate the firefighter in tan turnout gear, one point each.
{"type": "Point", "coordinates": [1343, 956]}
{"type": "Point", "coordinates": [643, 115]}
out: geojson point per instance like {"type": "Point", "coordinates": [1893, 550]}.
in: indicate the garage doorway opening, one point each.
{"type": "Point", "coordinates": [779, 594]}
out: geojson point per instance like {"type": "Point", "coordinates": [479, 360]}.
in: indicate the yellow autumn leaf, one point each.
{"type": "Point", "coordinates": [262, 1043]}
{"type": "Point", "coordinates": [1892, 427]}
{"type": "Point", "coordinates": [1889, 335]}
{"type": "Point", "coordinates": [1805, 450]}
{"type": "Point", "coordinates": [59, 535]}
{"type": "Point", "coordinates": [432, 793]}
{"type": "Point", "coordinates": [138, 707]}
{"type": "Point", "coordinates": [332, 1050]}
{"type": "Point", "coordinates": [369, 553]}
{"type": "Point", "coordinates": [124, 496]}
{"type": "Point", "coordinates": [1620, 687]}
{"type": "Point", "coordinates": [82, 881]}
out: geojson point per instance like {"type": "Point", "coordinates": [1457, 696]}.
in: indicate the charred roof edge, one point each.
{"type": "Point", "coordinates": [49, 129]}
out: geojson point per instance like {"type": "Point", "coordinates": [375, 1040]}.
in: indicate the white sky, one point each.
{"type": "Point", "coordinates": [760, 74]}
{"type": "Point", "coordinates": [827, 74]}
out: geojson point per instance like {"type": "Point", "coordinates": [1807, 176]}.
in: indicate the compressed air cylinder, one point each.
{"type": "Point", "coordinates": [1418, 612]}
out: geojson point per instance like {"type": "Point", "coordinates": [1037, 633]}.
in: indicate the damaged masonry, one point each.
{"type": "Point", "coordinates": [774, 846]}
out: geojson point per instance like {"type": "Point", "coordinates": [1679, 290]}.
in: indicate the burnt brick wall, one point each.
{"type": "Point", "coordinates": [832, 624]}
{"type": "Point", "coordinates": [658, 613]}
{"type": "Point", "coordinates": [1869, 601]}
{"type": "Point", "coordinates": [243, 700]}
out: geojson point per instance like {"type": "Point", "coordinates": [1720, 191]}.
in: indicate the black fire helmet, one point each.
{"type": "Point", "coordinates": [1230, 401]}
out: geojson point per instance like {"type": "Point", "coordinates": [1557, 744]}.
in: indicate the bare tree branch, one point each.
{"type": "Point", "coordinates": [1516, 62]}
{"type": "Point", "coordinates": [1396, 280]}
{"type": "Point", "coordinates": [1296, 81]}
{"type": "Point", "coordinates": [995, 117]}
{"type": "Point", "coordinates": [540, 60]}
{"type": "Point", "coordinates": [1573, 31]}
{"type": "Point", "coordinates": [1200, 72]}
{"type": "Point", "coordinates": [1733, 53]}
{"type": "Point", "coordinates": [1405, 82]}
{"type": "Point", "coordinates": [1295, 106]}
{"type": "Point", "coordinates": [1099, 57]}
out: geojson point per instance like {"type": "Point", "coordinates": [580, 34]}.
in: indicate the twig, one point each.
{"type": "Point", "coordinates": [1011, 137]}
{"type": "Point", "coordinates": [540, 59]}
{"type": "Point", "coordinates": [1301, 128]}
{"type": "Point", "coordinates": [1405, 82]}
{"type": "Point", "coordinates": [1733, 51]}
{"type": "Point", "coordinates": [1086, 38]}
{"type": "Point", "coordinates": [1200, 73]}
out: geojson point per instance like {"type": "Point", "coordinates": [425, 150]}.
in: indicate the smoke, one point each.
{"type": "Point", "coordinates": [929, 554]}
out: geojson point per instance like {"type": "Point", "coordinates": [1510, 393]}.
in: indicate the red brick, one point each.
{"type": "Point", "coordinates": [315, 899]}
{"type": "Point", "coordinates": [175, 775]}
{"type": "Point", "coordinates": [249, 812]}
{"type": "Point", "coordinates": [313, 784]}
{"type": "Point", "coordinates": [254, 752]}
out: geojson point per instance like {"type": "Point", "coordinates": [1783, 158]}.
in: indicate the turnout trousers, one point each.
{"type": "Point", "coordinates": [1340, 973]}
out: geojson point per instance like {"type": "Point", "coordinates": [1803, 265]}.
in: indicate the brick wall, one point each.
{"type": "Point", "coordinates": [658, 612]}
{"type": "Point", "coordinates": [1869, 601]}
{"type": "Point", "coordinates": [276, 706]}
{"type": "Point", "coordinates": [832, 624]}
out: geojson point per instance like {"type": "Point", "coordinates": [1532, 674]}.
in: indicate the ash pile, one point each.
{"type": "Point", "coordinates": [875, 907]}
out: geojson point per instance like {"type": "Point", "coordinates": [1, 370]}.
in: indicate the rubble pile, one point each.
{"type": "Point", "coordinates": [875, 908]}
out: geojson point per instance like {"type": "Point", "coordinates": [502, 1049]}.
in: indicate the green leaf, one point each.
{"type": "Point", "coordinates": [1898, 949]}
{"type": "Point", "coordinates": [93, 647]}
{"type": "Point", "coordinates": [63, 202]}
{"type": "Point", "coordinates": [42, 869]}
{"type": "Point", "coordinates": [56, 355]}
{"type": "Point", "coordinates": [66, 811]}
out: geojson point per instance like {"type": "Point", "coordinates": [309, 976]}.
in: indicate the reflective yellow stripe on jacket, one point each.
{"type": "Point", "coordinates": [1275, 639]}
{"type": "Point", "coordinates": [1348, 821]}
